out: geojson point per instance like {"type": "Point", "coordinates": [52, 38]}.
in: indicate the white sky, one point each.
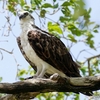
{"type": "Point", "coordinates": [8, 67]}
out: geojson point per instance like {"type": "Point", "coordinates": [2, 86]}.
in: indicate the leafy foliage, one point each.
{"type": "Point", "coordinates": [54, 28]}
{"type": "Point", "coordinates": [23, 72]}
{"type": "Point", "coordinates": [0, 79]}
{"type": "Point", "coordinates": [72, 24]}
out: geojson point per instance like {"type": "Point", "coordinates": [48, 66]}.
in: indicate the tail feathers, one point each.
{"type": "Point", "coordinates": [87, 93]}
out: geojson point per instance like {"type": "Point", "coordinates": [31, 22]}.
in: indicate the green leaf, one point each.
{"type": "Point", "coordinates": [47, 5]}
{"type": "Point", "coordinates": [56, 6]}
{"type": "Point", "coordinates": [21, 78]}
{"type": "Point", "coordinates": [60, 96]}
{"type": "Point", "coordinates": [42, 13]}
{"type": "Point", "coordinates": [91, 23]}
{"type": "Point", "coordinates": [89, 11]}
{"type": "Point", "coordinates": [63, 19]}
{"type": "Point", "coordinates": [0, 79]}
{"type": "Point", "coordinates": [66, 11]}
{"type": "Point", "coordinates": [35, 3]}
{"type": "Point", "coordinates": [66, 4]}
{"type": "Point", "coordinates": [84, 69]}
{"type": "Point", "coordinates": [89, 40]}
{"type": "Point", "coordinates": [21, 72]}
{"type": "Point", "coordinates": [90, 43]}
{"type": "Point", "coordinates": [96, 26]}
{"type": "Point", "coordinates": [74, 30]}
{"type": "Point", "coordinates": [11, 9]}
{"type": "Point", "coordinates": [89, 35]}
{"type": "Point", "coordinates": [71, 37]}
{"type": "Point", "coordinates": [96, 31]}
{"type": "Point", "coordinates": [54, 0]}
{"type": "Point", "coordinates": [22, 2]}
{"type": "Point", "coordinates": [76, 97]}
{"type": "Point", "coordinates": [54, 27]}
{"type": "Point", "coordinates": [95, 62]}
{"type": "Point", "coordinates": [27, 8]}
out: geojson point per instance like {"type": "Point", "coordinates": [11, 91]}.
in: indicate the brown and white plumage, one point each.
{"type": "Point", "coordinates": [46, 52]}
{"type": "Point", "coordinates": [51, 50]}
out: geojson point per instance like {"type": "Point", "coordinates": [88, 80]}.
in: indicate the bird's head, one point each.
{"type": "Point", "coordinates": [25, 16]}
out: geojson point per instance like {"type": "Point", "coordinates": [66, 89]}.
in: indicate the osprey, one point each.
{"type": "Point", "coordinates": [46, 52]}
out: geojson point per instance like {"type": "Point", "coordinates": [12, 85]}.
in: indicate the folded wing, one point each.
{"type": "Point", "coordinates": [53, 51]}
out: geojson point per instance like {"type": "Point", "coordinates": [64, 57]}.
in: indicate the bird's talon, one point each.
{"type": "Point", "coordinates": [55, 77]}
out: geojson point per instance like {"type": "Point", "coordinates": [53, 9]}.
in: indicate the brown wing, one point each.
{"type": "Point", "coordinates": [54, 52]}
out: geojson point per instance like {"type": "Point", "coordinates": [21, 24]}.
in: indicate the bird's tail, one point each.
{"type": "Point", "coordinates": [78, 75]}
{"type": "Point", "coordinates": [87, 93]}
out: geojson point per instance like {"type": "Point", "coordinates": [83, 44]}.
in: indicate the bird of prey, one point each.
{"type": "Point", "coordinates": [45, 51]}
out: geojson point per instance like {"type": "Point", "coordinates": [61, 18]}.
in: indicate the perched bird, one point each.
{"type": "Point", "coordinates": [45, 51]}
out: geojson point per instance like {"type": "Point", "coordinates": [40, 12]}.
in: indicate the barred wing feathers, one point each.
{"type": "Point", "coordinates": [53, 51]}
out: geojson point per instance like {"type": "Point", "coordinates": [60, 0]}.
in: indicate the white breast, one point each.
{"type": "Point", "coordinates": [30, 53]}
{"type": "Point", "coordinates": [26, 46]}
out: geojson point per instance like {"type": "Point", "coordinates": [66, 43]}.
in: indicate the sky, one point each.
{"type": "Point", "coordinates": [10, 62]}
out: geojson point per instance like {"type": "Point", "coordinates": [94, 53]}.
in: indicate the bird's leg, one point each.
{"type": "Point", "coordinates": [35, 76]}
{"type": "Point", "coordinates": [43, 71]}
{"type": "Point", "coordinates": [40, 73]}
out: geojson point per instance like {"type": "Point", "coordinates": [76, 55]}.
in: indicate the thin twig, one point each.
{"type": "Point", "coordinates": [10, 52]}
{"type": "Point", "coordinates": [39, 19]}
{"type": "Point", "coordinates": [55, 11]}
{"type": "Point", "coordinates": [90, 58]}
{"type": "Point", "coordinates": [3, 40]}
{"type": "Point", "coordinates": [89, 69]}
{"type": "Point", "coordinates": [1, 55]}
{"type": "Point", "coordinates": [84, 50]}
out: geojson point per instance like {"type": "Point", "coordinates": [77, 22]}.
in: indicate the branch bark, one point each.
{"type": "Point", "coordinates": [33, 87]}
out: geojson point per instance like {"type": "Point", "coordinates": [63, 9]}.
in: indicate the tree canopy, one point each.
{"type": "Point", "coordinates": [70, 21]}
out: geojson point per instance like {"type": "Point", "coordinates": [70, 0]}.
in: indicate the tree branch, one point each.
{"type": "Point", "coordinates": [88, 60]}
{"type": "Point", "coordinates": [58, 84]}
{"type": "Point", "coordinates": [21, 96]}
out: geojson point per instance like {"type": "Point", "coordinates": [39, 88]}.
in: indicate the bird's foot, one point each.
{"type": "Point", "coordinates": [31, 77]}
{"type": "Point", "coordinates": [55, 77]}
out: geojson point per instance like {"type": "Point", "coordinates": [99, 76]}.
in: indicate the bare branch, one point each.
{"type": "Point", "coordinates": [96, 56]}
{"type": "Point", "coordinates": [21, 96]}
{"type": "Point", "coordinates": [1, 55]}
{"type": "Point", "coordinates": [10, 52]}
{"type": "Point", "coordinates": [89, 68]}
{"type": "Point", "coordinates": [3, 40]}
{"type": "Point", "coordinates": [88, 60]}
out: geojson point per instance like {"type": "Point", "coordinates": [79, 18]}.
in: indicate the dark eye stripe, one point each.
{"type": "Point", "coordinates": [26, 13]}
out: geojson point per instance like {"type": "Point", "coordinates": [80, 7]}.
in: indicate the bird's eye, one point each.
{"type": "Point", "coordinates": [26, 14]}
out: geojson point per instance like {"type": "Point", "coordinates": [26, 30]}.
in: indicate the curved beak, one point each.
{"type": "Point", "coordinates": [21, 15]}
